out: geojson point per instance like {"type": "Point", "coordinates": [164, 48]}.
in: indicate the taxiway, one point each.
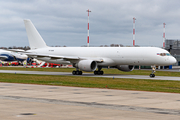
{"type": "Point", "coordinates": [92, 75]}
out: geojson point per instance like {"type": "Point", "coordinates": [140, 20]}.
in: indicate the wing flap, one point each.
{"type": "Point", "coordinates": [52, 56]}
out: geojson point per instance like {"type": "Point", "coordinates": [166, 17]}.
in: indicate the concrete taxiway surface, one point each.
{"type": "Point", "coordinates": [92, 75]}
{"type": "Point", "coordinates": [43, 102]}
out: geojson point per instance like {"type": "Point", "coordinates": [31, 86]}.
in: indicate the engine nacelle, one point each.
{"type": "Point", "coordinates": [125, 68]}
{"type": "Point", "coordinates": [87, 65]}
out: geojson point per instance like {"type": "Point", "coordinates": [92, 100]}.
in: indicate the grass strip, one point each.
{"type": "Point", "coordinates": [108, 83]}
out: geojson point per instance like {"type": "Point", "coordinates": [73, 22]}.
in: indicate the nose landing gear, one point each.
{"type": "Point", "coordinates": [152, 75]}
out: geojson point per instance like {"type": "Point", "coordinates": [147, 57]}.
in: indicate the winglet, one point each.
{"type": "Point", "coordinates": [35, 39]}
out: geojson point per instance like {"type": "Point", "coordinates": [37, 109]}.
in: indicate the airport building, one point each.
{"type": "Point", "coordinates": [173, 46]}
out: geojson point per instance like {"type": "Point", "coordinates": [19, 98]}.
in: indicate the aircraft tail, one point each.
{"type": "Point", "coordinates": [35, 39]}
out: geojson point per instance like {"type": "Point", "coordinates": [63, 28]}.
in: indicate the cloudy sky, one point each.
{"type": "Point", "coordinates": [64, 22]}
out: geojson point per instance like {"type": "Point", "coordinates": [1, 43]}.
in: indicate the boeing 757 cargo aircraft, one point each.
{"type": "Point", "coordinates": [90, 58]}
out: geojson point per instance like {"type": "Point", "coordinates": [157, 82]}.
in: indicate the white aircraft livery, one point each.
{"type": "Point", "coordinates": [90, 58]}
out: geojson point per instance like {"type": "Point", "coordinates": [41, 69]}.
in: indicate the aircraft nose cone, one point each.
{"type": "Point", "coordinates": [172, 60]}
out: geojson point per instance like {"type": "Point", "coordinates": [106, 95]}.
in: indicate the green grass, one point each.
{"type": "Point", "coordinates": [117, 83]}
{"type": "Point", "coordinates": [92, 82]}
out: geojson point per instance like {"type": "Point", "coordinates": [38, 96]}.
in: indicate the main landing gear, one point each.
{"type": "Point", "coordinates": [152, 75]}
{"type": "Point", "coordinates": [99, 72]}
{"type": "Point", "coordinates": [77, 72]}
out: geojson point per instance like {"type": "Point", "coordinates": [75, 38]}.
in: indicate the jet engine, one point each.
{"type": "Point", "coordinates": [87, 65]}
{"type": "Point", "coordinates": [125, 68]}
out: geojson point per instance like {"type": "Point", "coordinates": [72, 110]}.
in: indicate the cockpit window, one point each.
{"type": "Point", "coordinates": [164, 54]}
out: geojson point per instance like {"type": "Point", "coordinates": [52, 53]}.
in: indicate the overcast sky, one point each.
{"type": "Point", "coordinates": [64, 22]}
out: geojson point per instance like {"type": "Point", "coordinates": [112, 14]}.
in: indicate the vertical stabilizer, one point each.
{"type": "Point", "coordinates": [35, 39]}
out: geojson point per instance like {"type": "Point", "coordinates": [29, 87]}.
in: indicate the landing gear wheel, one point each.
{"type": "Point", "coordinates": [80, 72]}
{"type": "Point", "coordinates": [77, 72]}
{"type": "Point", "coordinates": [101, 72]}
{"type": "Point", "coordinates": [74, 72]}
{"type": "Point", "coordinates": [98, 72]}
{"type": "Point", "coordinates": [152, 75]}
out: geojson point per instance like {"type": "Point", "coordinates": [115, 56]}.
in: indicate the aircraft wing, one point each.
{"type": "Point", "coordinates": [68, 58]}
{"type": "Point", "coordinates": [52, 56]}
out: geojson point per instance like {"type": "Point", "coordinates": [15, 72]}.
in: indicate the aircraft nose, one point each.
{"type": "Point", "coordinates": [172, 60]}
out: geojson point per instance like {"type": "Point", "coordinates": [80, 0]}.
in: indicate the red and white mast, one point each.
{"type": "Point", "coordinates": [164, 35]}
{"type": "Point", "coordinates": [88, 29]}
{"type": "Point", "coordinates": [134, 31]}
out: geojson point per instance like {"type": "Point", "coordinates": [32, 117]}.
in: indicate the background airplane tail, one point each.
{"type": "Point", "coordinates": [35, 39]}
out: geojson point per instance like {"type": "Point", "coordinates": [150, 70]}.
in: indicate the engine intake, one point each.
{"type": "Point", "coordinates": [87, 65]}
{"type": "Point", "coordinates": [125, 68]}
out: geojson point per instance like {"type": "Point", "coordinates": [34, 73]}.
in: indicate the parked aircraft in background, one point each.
{"type": "Point", "coordinates": [90, 58]}
{"type": "Point", "coordinates": [12, 56]}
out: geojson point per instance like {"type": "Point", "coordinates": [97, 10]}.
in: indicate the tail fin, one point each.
{"type": "Point", "coordinates": [35, 39]}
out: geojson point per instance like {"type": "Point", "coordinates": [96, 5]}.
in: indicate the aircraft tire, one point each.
{"type": "Point", "coordinates": [152, 75]}
{"type": "Point", "coordinates": [77, 72]}
{"type": "Point", "coordinates": [74, 72]}
{"type": "Point", "coordinates": [80, 72]}
{"type": "Point", "coordinates": [95, 72]}
{"type": "Point", "coordinates": [98, 72]}
{"type": "Point", "coordinates": [101, 72]}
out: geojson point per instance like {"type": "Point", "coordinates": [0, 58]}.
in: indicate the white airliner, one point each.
{"type": "Point", "coordinates": [90, 58]}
